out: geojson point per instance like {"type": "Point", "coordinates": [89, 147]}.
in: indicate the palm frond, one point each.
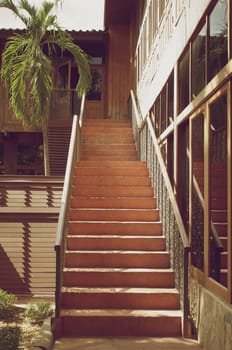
{"type": "Point", "coordinates": [10, 5]}
{"type": "Point", "coordinates": [64, 40]}
{"type": "Point", "coordinates": [28, 78]}
{"type": "Point", "coordinates": [26, 70]}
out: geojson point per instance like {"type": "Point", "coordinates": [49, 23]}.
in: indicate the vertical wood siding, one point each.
{"type": "Point", "coordinates": [118, 71]}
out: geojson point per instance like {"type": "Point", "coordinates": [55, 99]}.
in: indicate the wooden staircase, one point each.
{"type": "Point", "coordinates": [117, 279]}
{"type": "Point", "coordinates": [58, 143]}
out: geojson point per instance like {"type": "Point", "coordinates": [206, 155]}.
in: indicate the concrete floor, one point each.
{"type": "Point", "coordinates": [126, 344]}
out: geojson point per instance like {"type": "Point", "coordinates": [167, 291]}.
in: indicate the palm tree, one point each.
{"type": "Point", "coordinates": [27, 70]}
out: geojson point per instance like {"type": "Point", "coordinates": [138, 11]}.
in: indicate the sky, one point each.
{"type": "Point", "coordinates": [72, 15]}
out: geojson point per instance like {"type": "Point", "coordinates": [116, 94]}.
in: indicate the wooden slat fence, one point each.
{"type": "Point", "coordinates": [29, 209]}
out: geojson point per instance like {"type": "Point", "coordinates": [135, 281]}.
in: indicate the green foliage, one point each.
{"type": "Point", "coordinates": [27, 70]}
{"type": "Point", "coordinates": [7, 307]}
{"type": "Point", "coordinates": [38, 312]}
{"type": "Point", "coordinates": [9, 337]}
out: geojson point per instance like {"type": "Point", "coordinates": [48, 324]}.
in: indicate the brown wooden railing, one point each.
{"type": "Point", "coordinates": [173, 227]}
{"type": "Point", "coordinates": [30, 191]}
{"type": "Point", "coordinates": [73, 157]}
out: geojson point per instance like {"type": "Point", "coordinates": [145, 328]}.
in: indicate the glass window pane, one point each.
{"type": "Point", "coordinates": [29, 154]}
{"type": "Point", "coordinates": [170, 112]}
{"type": "Point", "coordinates": [218, 191]}
{"type": "Point", "coordinates": [184, 82]}
{"type": "Point", "coordinates": [218, 37]}
{"type": "Point", "coordinates": [157, 117]}
{"type": "Point", "coordinates": [96, 88]}
{"type": "Point", "coordinates": [163, 110]}
{"type": "Point", "coordinates": [183, 173]}
{"type": "Point", "coordinates": [197, 220]}
{"type": "Point", "coordinates": [198, 62]}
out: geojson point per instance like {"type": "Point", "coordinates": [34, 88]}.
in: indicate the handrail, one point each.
{"type": "Point", "coordinates": [82, 111]}
{"type": "Point", "coordinates": [179, 220]}
{"type": "Point", "coordinates": [139, 120]}
{"type": "Point", "coordinates": [67, 180]}
{"type": "Point", "coordinates": [141, 123]}
{"type": "Point", "coordinates": [164, 171]}
{"type": "Point", "coordinates": [73, 156]}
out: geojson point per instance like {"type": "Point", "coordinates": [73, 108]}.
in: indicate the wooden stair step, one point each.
{"type": "Point", "coordinates": [114, 146]}
{"type": "Point", "coordinates": [118, 277]}
{"type": "Point", "coordinates": [121, 322]}
{"type": "Point", "coordinates": [112, 164]}
{"type": "Point", "coordinates": [218, 215]}
{"type": "Point", "coordinates": [120, 298]}
{"type": "Point", "coordinates": [113, 202]}
{"type": "Point", "coordinates": [126, 157]}
{"type": "Point", "coordinates": [108, 151]}
{"type": "Point", "coordinates": [110, 191]}
{"type": "Point", "coordinates": [94, 170]}
{"type": "Point", "coordinates": [135, 215]}
{"type": "Point", "coordinates": [107, 129]}
{"type": "Point", "coordinates": [106, 121]}
{"type": "Point", "coordinates": [111, 180]}
{"type": "Point", "coordinates": [128, 259]}
{"type": "Point", "coordinates": [224, 260]}
{"type": "Point", "coordinates": [221, 228]}
{"type": "Point", "coordinates": [116, 242]}
{"type": "Point", "coordinates": [115, 228]}
{"type": "Point", "coordinates": [109, 138]}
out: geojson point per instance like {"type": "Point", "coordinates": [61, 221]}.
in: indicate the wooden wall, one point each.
{"type": "Point", "coordinates": [2, 106]}
{"type": "Point", "coordinates": [118, 77]}
{"type": "Point", "coordinates": [27, 256]}
{"type": "Point", "coordinates": [28, 214]}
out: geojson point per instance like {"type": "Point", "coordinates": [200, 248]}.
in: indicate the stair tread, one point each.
{"type": "Point", "coordinates": [116, 222]}
{"type": "Point", "coordinates": [122, 237]}
{"type": "Point", "coordinates": [112, 163]}
{"type": "Point", "coordinates": [112, 290]}
{"type": "Point", "coordinates": [117, 251]}
{"type": "Point", "coordinates": [121, 312]}
{"type": "Point", "coordinates": [116, 269]}
{"type": "Point", "coordinates": [116, 209]}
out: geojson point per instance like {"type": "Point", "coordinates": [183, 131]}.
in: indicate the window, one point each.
{"type": "Point", "coordinates": [184, 81]}
{"type": "Point", "coordinates": [197, 195]}
{"type": "Point", "coordinates": [29, 159]}
{"type": "Point", "coordinates": [198, 62]}
{"type": "Point", "coordinates": [170, 87]}
{"type": "Point", "coordinates": [163, 109]}
{"type": "Point", "coordinates": [209, 54]}
{"type": "Point", "coordinates": [157, 116]}
{"type": "Point", "coordinates": [95, 92]}
{"type": "Point", "coordinates": [218, 36]}
{"type": "Point", "coordinates": [218, 211]}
